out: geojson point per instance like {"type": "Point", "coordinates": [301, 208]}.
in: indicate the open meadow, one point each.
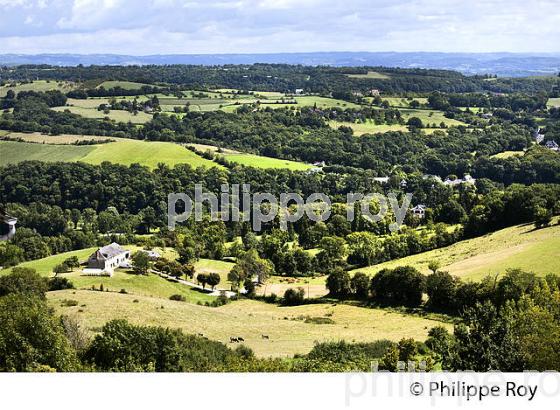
{"type": "Point", "coordinates": [115, 115]}
{"type": "Point", "coordinates": [121, 151]}
{"type": "Point", "coordinates": [290, 329]}
{"type": "Point", "coordinates": [519, 246]}
{"type": "Point", "coordinates": [251, 160]}
{"type": "Point", "coordinates": [38, 85]}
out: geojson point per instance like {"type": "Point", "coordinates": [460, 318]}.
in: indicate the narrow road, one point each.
{"type": "Point", "coordinates": [215, 292]}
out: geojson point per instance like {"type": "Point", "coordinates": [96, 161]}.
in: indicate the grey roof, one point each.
{"type": "Point", "coordinates": [112, 250]}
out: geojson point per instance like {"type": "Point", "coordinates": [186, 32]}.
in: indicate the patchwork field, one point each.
{"type": "Point", "coordinates": [122, 151]}
{"type": "Point", "coordinates": [39, 86]}
{"type": "Point", "coordinates": [520, 246]}
{"type": "Point", "coordinates": [288, 333]}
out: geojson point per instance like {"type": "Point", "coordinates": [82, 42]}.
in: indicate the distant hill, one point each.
{"type": "Point", "coordinates": [502, 64]}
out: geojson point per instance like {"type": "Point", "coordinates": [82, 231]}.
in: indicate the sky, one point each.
{"type": "Point", "coordinates": [145, 27]}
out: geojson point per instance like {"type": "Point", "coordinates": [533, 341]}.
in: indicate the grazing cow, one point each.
{"type": "Point", "coordinates": [233, 340]}
{"type": "Point", "coordinates": [240, 339]}
{"type": "Point", "coordinates": [265, 337]}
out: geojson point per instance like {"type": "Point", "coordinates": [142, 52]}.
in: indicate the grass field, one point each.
{"type": "Point", "coordinates": [303, 101]}
{"type": "Point", "coordinates": [115, 115]}
{"type": "Point", "coordinates": [370, 75]}
{"type": "Point", "coordinates": [314, 286]}
{"type": "Point", "coordinates": [508, 154]}
{"type": "Point", "coordinates": [285, 326]}
{"type": "Point", "coordinates": [14, 152]}
{"type": "Point", "coordinates": [430, 117]}
{"type": "Point", "coordinates": [520, 246]}
{"type": "Point", "coordinates": [45, 266]}
{"type": "Point", "coordinates": [369, 127]}
{"type": "Point", "coordinates": [127, 85]}
{"type": "Point", "coordinates": [213, 266]}
{"type": "Point", "coordinates": [258, 161]}
{"type": "Point", "coordinates": [39, 85]}
{"type": "Point", "coordinates": [62, 139]}
{"type": "Point", "coordinates": [400, 102]}
{"type": "Point", "coordinates": [123, 151]}
{"type": "Point", "coordinates": [553, 102]}
{"type": "Point", "coordinates": [252, 160]}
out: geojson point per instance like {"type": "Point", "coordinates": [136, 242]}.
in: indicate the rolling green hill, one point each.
{"type": "Point", "coordinates": [123, 151]}
{"type": "Point", "coordinates": [519, 246]}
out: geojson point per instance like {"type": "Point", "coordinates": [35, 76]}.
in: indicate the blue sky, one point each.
{"type": "Point", "coordinates": [256, 26]}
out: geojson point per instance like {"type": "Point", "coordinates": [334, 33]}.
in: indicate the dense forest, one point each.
{"type": "Point", "coordinates": [285, 78]}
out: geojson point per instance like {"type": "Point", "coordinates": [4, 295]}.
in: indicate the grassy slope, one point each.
{"type": "Point", "coordinates": [123, 151]}
{"type": "Point", "coordinates": [39, 85]}
{"type": "Point", "coordinates": [520, 246]}
{"type": "Point", "coordinates": [53, 139]}
{"type": "Point", "coordinates": [252, 160]}
{"type": "Point", "coordinates": [249, 319]}
{"type": "Point", "coordinates": [258, 161]}
{"type": "Point", "coordinates": [116, 115]}
{"type": "Point", "coordinates": [508, 154]}
{"type": "Point", "coordinates": [127, 85]}
{"type": "Point", "coordinates": [429, 117]}
{"type": "Point", "coordinates": [14, 152]}
{"type": "Point", "coordinates": [553, 102]}
{"type": "Point", "coordinates": [146, 153]}
{"type": "Point", "coordinates": [220, 267]}
{"type": "Point", "coordinates": [368, 127]}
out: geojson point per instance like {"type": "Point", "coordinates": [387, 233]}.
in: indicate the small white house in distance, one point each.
{"type": "Point", "coordinates": [419, 211]}
{"type": "Point", "coordinates": [153, 255]}
{"type": "Point", "coordinates": [104, 260]}
{"type": "Point", "coordinates": [381, 180]}
{"type": "Point", "coordinates": [7, 226]}
{"type": "Point", "coordinates": [552, 145]}
{"type": "Point", "coordinates": [299, 91]}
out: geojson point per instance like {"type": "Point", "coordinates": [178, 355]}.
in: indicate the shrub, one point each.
{"type": "Point", "coordinates": [177, 297]}
{"type": "Point", "coordinates": [293, 297]}
{"type": "Point", "coordinates": [338, 283]}
{"type": "Point", "coordinates": [403, 286]}
{"type": "Point", "coordinates": [58, 283]}
{"type": "Point", "coordinates": [319, 320]}
{"type": "Point", "coordinates": [23, 281]}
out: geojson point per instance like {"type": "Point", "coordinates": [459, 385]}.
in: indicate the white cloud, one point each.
{"type": "Point", "coordinates": [222, 26]}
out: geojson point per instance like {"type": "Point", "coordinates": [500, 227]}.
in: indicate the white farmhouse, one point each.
{"type": "Point", "coordinates": [419, 211]}
{"type": "Point", "coordinates": [104, 260]}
